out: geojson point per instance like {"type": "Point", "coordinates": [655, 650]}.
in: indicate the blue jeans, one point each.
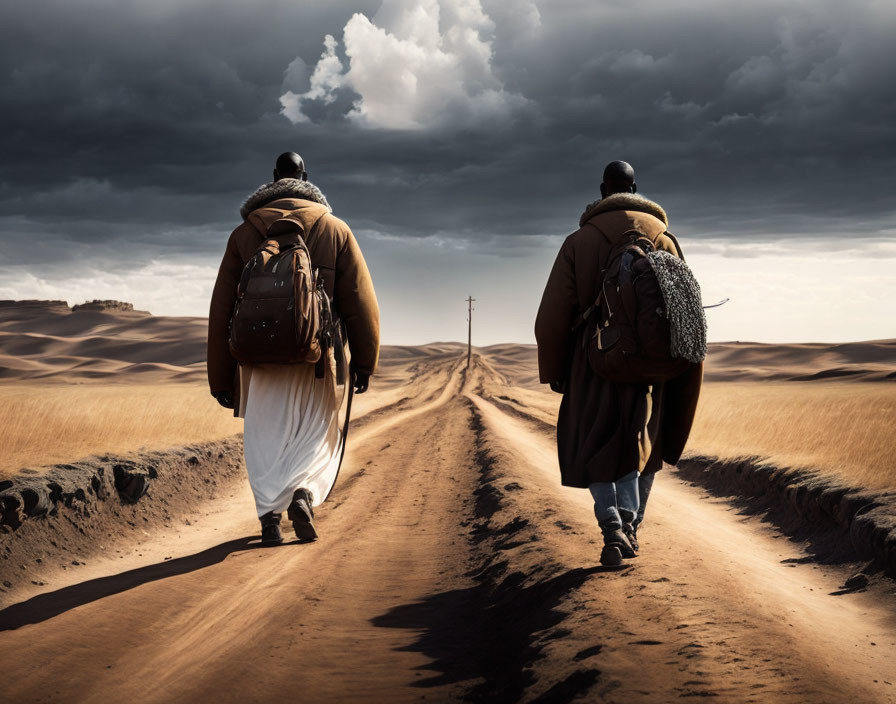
{"type": "Point", "coordinates": [622, 501]}
{"type": "Point", "coordinates": [616, 503]}
{"type": "Point", "coordinates": [645, 484]}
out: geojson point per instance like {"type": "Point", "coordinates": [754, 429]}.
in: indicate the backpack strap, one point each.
{"type": "Point", "coordinates": [582, 317]}
{"type": "Point", "coordinates": [348, 413]}
{"type": "Point", "coordinates": [675, 242]}
{"type": "Point", "coordinates": [244, 280]}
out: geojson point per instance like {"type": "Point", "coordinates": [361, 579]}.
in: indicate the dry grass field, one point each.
{"type": "Point", "coordinates": [52, 423]}
{"type": "Point", "coordinates": [76, 383]}
{"type": "Point", "coordinates": [840, 427]}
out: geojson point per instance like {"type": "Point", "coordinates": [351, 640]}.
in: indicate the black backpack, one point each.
{"type": "Point", "coordinates": [647, 324]}
{"type": "Point", "coordinates": [277, 315]}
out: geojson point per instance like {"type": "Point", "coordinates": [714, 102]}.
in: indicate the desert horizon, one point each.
{"type": "Point", "coordinates": [114, 304]}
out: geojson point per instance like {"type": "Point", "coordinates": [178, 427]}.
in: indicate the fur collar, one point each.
{"type": "Point", "coordinates": [623, 201]}
{"type": "Point", "coordinates": [284, 188]}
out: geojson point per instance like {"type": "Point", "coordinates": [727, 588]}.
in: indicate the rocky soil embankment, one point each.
{"type": "Point", "coordinates": [839, 522]}
{"type": "Point", "coordinates": [61, 516]}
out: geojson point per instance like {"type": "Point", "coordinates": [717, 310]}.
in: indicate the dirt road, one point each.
{"type": "Point", "coordinates": [452, 566]}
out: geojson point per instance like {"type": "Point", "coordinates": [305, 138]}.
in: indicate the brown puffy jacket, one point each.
{"type": "Point", "coordinates": [606, 430]}
{"type": "Point", "coordinates": [334, 251]}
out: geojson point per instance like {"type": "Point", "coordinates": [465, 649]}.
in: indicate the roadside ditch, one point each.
{"type": "Point", "coordinates": [839, 523]}
{"type": "Point", "coordinates": [58, 517]}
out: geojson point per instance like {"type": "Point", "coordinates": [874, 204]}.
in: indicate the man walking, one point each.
{"type": "Point", "coordinates": [291, 433]}
{"type": "Point", "coordinates": [611, 437]}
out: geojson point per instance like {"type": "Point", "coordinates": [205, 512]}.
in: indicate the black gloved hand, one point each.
{"type": "Point", "coordinates": [225, 398]}
{"type": "Point", "coordinates": [558, 386]}
{"type": "Point", "coordinates": [360, 380]}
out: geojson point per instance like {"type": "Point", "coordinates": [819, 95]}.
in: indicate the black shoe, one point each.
{"type": "Point", "coordinates": [301, 514]}
{"type": "Point", "coordinates": [615, 538]}
{"type": "Point", "coordinates": [610, 556]}
{"type": "Point", "coordinates": [631, 533]}
{"type": "Point", "coordinates": [270, 529]}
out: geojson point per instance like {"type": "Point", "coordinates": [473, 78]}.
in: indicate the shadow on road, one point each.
{"type": "Point", "coordinates": [46, 606]}
{"type": "Point", "coordinates": [491, 633]}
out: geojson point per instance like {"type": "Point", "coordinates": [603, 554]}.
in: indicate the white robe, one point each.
{"type": "Point", "coordinates": [291, 435]}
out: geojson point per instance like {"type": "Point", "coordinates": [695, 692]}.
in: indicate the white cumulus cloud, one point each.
{"type": "Point", "coordinates": [416, 64]}
{"type": "Point", "coordinates": [327, 77]}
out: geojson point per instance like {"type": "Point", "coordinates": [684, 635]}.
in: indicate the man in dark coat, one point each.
{"type": "Point", "coordinates": [611, 437]}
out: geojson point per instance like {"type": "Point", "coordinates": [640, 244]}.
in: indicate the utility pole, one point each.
{"type": "Point", "coordinates": [470, 301]}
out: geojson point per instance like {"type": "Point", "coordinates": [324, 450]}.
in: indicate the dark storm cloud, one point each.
{"type": "Point", "coordinates": [139, 127]}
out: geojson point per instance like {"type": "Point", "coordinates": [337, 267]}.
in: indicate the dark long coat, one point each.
{"type": "Point", "coordinates": [606, 430]}
{"type": "Point", "coordinates": [334, 251]}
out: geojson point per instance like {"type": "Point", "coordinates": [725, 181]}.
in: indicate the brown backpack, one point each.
{"type": "Point", "coordinates": [277, 315]}
{"type": "Point", "coordinates": [632, 331]}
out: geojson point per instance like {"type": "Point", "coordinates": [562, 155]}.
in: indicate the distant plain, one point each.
{"type": "Point", "coordinates": [100, 381]}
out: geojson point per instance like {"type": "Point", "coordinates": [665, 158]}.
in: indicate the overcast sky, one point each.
{"type": "Point", "coordinates": [461, 141]}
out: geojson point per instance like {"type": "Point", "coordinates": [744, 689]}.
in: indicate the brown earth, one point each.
{"type": "Point", "coordinates": [451, 566]}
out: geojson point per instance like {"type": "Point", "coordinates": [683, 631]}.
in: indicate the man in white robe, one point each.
{"type": "Point", "coordinates": [292, 439]}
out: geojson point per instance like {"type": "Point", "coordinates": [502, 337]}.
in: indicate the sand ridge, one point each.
{"type": "Point", "coordinates": [50, 341]}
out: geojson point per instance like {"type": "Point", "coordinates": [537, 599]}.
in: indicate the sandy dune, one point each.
{"type": "Point", "coordinates": [867, 361]}
{"type": "Point", "coordinates": [748, 361]}
{"type": "Point", "coordinates": [50, 341]}
{"type": "Point", "coordinates": [47, 341]}
{"type": "Point", "coordinates": [452, 566]}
